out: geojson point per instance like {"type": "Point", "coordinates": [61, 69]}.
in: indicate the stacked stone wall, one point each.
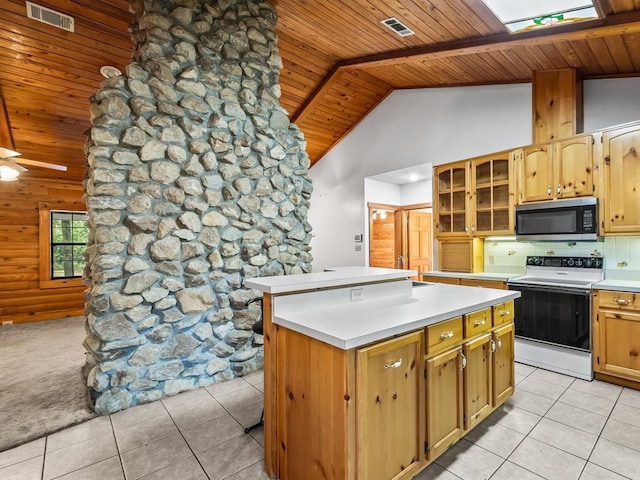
{"type": "Point", "coordinates": [196, 181]}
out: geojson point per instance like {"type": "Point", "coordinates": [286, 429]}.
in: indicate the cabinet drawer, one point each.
{"type": "Point", "coordinates": [483, 283]}
{"type": "Point", "coordinates": [444, 335]}
{"type": "Point", "coordinates": [619, 300]}
{"type": "Point", "coordinates": [503, 313]}
{"type": "Point", "coordinates": [477, 322]}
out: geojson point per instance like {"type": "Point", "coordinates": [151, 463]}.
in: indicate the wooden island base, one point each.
{"type": "Point", "coordinates": [385, 410]}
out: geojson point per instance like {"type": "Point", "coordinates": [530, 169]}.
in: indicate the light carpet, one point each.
{"type": "Point", "coordinates": [42, 388]}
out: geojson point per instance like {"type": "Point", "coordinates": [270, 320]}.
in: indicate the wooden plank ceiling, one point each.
{"type": "Point", "coordinates": [339, 62]}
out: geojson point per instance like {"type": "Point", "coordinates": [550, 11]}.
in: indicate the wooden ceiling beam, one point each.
{"type": "Point", "coordinates": [624, 23]}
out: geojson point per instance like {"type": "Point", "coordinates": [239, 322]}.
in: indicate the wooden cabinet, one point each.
{"type": "Point", "coordinates": [388, 386]}
{"type": "Point", "coordinates": [467, 282]}
{"type": "Point", "coordinates": [469, 373]}
{"type": "Point", "coordinates": [616, 335]}
{"type": "Point", "coordinates": [461, 255]}
{"type": "Point", "coordinates": [492, 194]}
{"type": "Point", "coordinates": [563, 169]}
{"type": "Point", "coordinates": [444, 401]}
{"type": "Point", "coordinates": [451, 193]}
{"type": "Point", "coordinates": [620, 202]}
{"type": "Point", "coordinates": [503, 370]}
{"type": "Point", "coordinates": [386, 410]}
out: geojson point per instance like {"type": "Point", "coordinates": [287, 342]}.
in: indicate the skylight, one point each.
{"type": "Point", "coordinates": [524, 15]}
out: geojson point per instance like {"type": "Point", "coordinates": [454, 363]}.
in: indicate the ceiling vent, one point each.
{"type": "Point", "coordinates": [397, 26]}
{"type": "Point", "coordinates": [50, 17]}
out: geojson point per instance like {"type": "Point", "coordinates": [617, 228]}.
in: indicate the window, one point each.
{"type": "Point", "coordinates": [63, 240]}
{"type": "Point", "coordinates": [68, 243]}
{"type": "Point", "coordinates": [525, 15]}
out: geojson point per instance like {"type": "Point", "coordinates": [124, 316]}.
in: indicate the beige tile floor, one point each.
{"type": "Point", "coordinates": [554, 427]}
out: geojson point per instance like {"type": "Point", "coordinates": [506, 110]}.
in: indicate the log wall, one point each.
{"type": "Point", "coordinates": [21, 297]}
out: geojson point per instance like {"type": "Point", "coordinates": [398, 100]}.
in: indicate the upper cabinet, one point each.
{"type": "Point", "coordinates": [492, 194]}
{"type": "Point", "coordinates": [475, 197]}
{"type": "Point", "coordinates": [621, 180]}
{"type": "Point", "coordinates": [563, 169]}
{"type": "Point", "coordinates": [451, 209]}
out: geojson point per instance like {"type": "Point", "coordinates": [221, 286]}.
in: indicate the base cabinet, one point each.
{"type": "Point", "coordinates": [386, 410]}
{"type": "Point", "coordinates": [444, 402]}
{"type": "Point", "coordinates": [477, 380]}
{"type": "Point", "coordinates": [388, 389]}
{"type": "Point", "coordinates": [617, 335]}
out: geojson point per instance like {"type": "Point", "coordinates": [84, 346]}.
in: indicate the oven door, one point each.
{"type": "Point", "coordinates": [556, 315]}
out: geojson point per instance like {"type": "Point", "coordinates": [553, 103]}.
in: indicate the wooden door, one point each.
{"type": "Point", "coordinates": [622, 180]}
{"type": "Point", "coordinates": [536, 174]}
{"type": "Point", "coordinates": [619, 344]}
{"type": "Point", "coordinates": [445, 396]}
{"type": "Point", "coordinates": [573, 161]}
{"type": "Point", "coordinates": [389, 418]}
{"type": "Point", "coordinates": [382, 239]}
{"type": "Point", "coordinates": [419, 242]}
{"type": "Point", "coordinates": [503, 366]}
{"type": "Point", "coordinates": [492, 194]}
{"type": "Point", "coordinates": [477, 380]}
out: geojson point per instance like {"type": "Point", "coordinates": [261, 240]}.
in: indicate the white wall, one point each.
{"type": "Point", "coordinates": [433, 125]}
{"type": "Point", "coordinates": [410, 127]}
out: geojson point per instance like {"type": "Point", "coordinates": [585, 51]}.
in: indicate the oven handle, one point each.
{"type": "Point", "coordinates": [549, 288]}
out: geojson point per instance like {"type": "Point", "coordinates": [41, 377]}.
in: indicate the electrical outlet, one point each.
{"type": "Point", "coordinates": [492, 260]}
{"type": "Point", "coordinates": [7, 322]}
{"type": "Point", "coordinates": [358, 248]}
{"type": "Point", "coordinates": [356, 294]}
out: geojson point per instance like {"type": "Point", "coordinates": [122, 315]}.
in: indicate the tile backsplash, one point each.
{"type": "Point", "coordinates": [620, 253]}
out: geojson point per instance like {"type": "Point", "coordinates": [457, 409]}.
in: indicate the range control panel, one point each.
{"type": "Point", "coordinates": [570, 262]}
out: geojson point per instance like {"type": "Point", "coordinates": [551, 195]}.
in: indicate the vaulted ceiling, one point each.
{"type": "Point", "coordinates": [339, 62]}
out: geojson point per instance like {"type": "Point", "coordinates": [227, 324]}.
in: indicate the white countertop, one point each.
{"type": "Point", "coordinates": [335, 277]}
{"type": "Point", "coordinates": [476, 276]}
{"type": "Point", "coordinates": [388, 310]}
{"type": "Point", "coordinates": [620, 285]}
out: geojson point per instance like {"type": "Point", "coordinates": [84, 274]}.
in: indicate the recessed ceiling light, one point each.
{"type": "Point", "coordinates": [108, 71]}
{"type": "Point", "coordinates": [414, 177]}
{"type": "Point", "coordinates": [524, 15]}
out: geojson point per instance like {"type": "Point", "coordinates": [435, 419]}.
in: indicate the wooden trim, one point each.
{"type": "Point", "coordinates": [269, 331]}
{"type": "Point", "coordinates": [623, 382]}
{"type": "Point", "coordinates": [624, 23]}
{"type": "Point", "coordinates": [44, 226]}
{"type": "Point", "coordinates": [6, 138]}
{"type": "Point", "coordinates": [383, 206]}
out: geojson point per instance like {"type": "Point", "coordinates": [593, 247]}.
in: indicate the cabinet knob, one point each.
{"type": "Point", "coordinates": [393, 365]}
{"type": "Point", "coordinates": [464, 361]}
{"type": "Point", "coordinates": [479, 323]}
{"type": "Point", "coordinates": [558, 189]}
{"type": "Point", "coordinates": [493, 345]}
{"type": "Point", "coordinates": [444, 336]}
{"type": "Point", "coordinates": [504, 313]}
{"type": "Point", "coordinates": [549, 190]}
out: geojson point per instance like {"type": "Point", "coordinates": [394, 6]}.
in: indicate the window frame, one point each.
{"type": "Point", "coordinates": [44, 241]}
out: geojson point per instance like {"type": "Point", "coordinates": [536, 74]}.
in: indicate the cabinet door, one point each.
{"type": "Point", "coordinates": [444, 396]}
{"type": "Point", "coordinates": [536, 174]}
{"type": "Point", "coordinates": [492, 194]}
{"type": "Point", "coordinates": [622, 180]}
{"type": "Point", "coordinates": [388, 390]}
{"type": "Point", "coordinates": [503, 367]}
{"type": "Point", "coordinates": [619, 346]}
{"type": "Point", "coordinates": [573, 161]}
{"type": "Point", "coordinates": [451, 191]}
{"type": "Point", "coordinates": [477, 380]}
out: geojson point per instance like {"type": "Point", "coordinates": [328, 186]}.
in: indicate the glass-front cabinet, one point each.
{"type": "Point", "coordinates": [492, 194]}
{"type": "Point", "coordinates": [452, 194]}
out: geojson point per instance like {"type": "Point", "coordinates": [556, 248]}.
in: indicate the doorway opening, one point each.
{"type": "Point", "coordinates": [401, 237]}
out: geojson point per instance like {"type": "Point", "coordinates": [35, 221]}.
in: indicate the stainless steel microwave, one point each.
{"type": "Point", "coordinates": [575, 219]}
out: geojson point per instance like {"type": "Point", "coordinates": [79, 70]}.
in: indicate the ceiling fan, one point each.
{"type": "Point", "coordinates": [10, 167]}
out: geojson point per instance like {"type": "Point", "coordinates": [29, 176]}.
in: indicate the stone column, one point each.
{"type": "Point", "coordinates": [196, 180]}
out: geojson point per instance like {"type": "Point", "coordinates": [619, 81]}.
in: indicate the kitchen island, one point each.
{"type": "Point", "coordinates": [369, 375]}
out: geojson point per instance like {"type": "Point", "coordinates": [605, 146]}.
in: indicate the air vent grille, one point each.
{"type": "Point", "coordinates": [397, 26]}
{"type": "Point", "coordinates": [50, 17]}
